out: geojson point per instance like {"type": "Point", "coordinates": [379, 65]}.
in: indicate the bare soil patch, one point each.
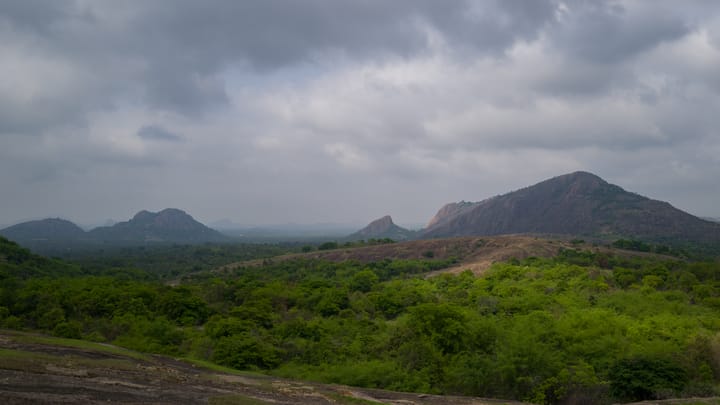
{"type": "Point", "coordinates": [473, 253]}
{"type": "Point", "coordinates": [476, 254]}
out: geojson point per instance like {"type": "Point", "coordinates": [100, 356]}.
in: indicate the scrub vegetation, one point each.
{"type": "Point", "coordinates": [580, 327]}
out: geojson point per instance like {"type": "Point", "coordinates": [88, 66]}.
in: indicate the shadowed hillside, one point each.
{"type": "Point", "coordinates": [579, 203]}
{"type": "Point", "coordinates": [55, 235]}
{"type": "Point", "coordinates": [168, 225]}
{"type": "Point", "coordinates": [45, 231]}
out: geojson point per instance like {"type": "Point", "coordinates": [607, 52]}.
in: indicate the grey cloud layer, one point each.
{"type": "Point", "coordinates": [169, 54]}
{"type": "Point", "coordinates": [304, 110]}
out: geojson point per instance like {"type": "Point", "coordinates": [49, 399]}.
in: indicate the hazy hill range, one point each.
{"type": "Point", "coordinates": [167, 226]}
{"type": "Point", "coordinates": [382, 228]}
{"type": "Point", "coordinates": [44, 229]}
{"type": "Point", "coordinates": [579, 203]}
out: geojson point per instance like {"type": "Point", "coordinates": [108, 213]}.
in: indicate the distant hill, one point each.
{"type": "Point", "coordinates": [168, 225]}
{"type": "Point", "coordinates": [55, 235]}
{"type": "Point", "coordinates": [48, 236]}
{"type": "Point", "coordinates": [382, 228]}
{"type": "Point", "coordinates": [579, 203]}
{"type": "Point", "coordinates": [51, 229]}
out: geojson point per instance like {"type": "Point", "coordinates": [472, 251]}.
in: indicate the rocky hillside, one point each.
{"type": "Point", "coordinates": [449, 211]}
{"type": "Point", "coordinates": [168, 225]}
{"type": "Point", "coordinates": [36, 369]}
{"type": "Point", "coordinates": [579, 203]}
{"type": "Point", "coordinates": [382, 228]}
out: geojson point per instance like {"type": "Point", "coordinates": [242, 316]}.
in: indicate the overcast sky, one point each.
{"type": "Point", "coordinates": [269, 111]}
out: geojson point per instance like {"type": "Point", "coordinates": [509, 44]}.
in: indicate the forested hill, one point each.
{"type": "Point", "coordinates": [579, 203]}
{"type": "Point", "coordinates": [18, 262]}
{"type": "Point", "coordinates": [44, 229]}
{"type": "Point", "coordinates": [55, 236]}
{"type": "Point", "coordinates": [168, 225]}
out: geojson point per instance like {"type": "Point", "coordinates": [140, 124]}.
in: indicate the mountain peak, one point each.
{"type": "Point", "coordinates": [379, 226]}
{"type": "Point", "coordinates": [174, 211]}
{"type": "Point", "coordinates": [577, 180]}
{"type": "Point", "coordinates": [169, 217]}
{"type": "Point", "coordinates": [44, 229]}
{"type": "Point", "coordinates": [569, 187]}
{"type": "Point", "coordinates": [582, 175]}
{"type": "Point", "coordinates": [168, 225]}
{"type": "Point", "coordinates": [383, 227]}
{"type": "Point", "coordinates": [578, 203]}
{"type": "Point", "coordinates": [142, 216]}
{"type": "Point", "coordinates": [165, 212]}
{"type": "Point", "coordinates": [385, 221]}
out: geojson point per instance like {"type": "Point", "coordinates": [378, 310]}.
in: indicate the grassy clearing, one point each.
{"type": "Point", "coordinates": [221, 369]}
{"type": "Point", "coordinates": [38, 362]}
{"type": "Point", "coordinates": [24, 361]}
{"type": "Point", "coordinates": [75, 343]}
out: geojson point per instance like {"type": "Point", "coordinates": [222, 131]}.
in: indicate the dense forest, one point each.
{"type": "Point", "coordinates": [582, 327]}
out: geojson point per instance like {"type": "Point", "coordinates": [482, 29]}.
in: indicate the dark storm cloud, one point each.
{"type": "Point", "coordinates": [312, 105]}
{"type": "Point", "coordinates": [34, 15]}
{"type": "Point", "coordinates": [273, 33]}
{"type": "Point", "coordinates": [603, 32]}
{"type": "Point", "coordinates": [157, 133]}
{"type": "Point", "coordinates": [170, 54]}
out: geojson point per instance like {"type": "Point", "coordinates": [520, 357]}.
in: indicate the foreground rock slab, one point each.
{"type": "Point", "coordinates": [39, 370]}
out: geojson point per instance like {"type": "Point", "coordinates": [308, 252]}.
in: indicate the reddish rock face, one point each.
{"type": "Point", "coordinates": [449, 211]}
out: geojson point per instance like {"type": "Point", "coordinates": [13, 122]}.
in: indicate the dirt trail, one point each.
{"type": "Point", "coordinates": [503, 248]}
{"type": "Point", "coordinates": [44, 373]}
{"type": "Point", "coordinates": [474, 253]}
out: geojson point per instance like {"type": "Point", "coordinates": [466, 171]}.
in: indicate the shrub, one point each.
{"type": "Point", "coordinates": [639, 379]}
{"type": "Point", "coordinates": [328, 246]}
{"type": "Point", "coordinates": [246, 351]}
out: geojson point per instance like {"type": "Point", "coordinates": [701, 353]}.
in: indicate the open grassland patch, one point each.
{"type": "Point", "coordinates": [221, 369]}
{"type": "Point", "coordinates": [26, 338]}
{"type": "Point", "coordinates": [28, 361]}
{"type": "Point", "coordinates": [25, 361]}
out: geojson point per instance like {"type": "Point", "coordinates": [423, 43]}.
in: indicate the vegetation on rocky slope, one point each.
{"type": "Point", "coordinates": [584, 327]}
